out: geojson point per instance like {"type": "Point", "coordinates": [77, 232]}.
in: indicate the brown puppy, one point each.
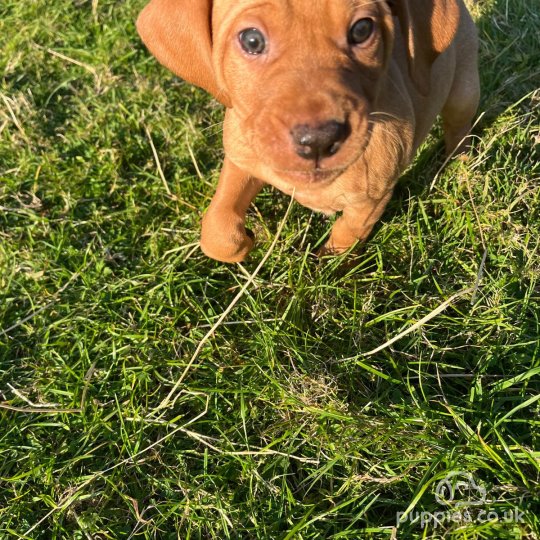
{"type": "Point", "coordinates": [328, 99]}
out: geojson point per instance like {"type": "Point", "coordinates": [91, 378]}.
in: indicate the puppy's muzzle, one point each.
{"type": "Point", "coordinates": [315, 143]}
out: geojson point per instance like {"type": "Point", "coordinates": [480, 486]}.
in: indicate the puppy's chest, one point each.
{"type": "Point", "coordinates": [330, 199]}
{"type": "Point", "coordinates": [348, 189]}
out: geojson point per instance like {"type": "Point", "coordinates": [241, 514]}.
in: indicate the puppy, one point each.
{"type": "Point", "coordinates": [326, 99]}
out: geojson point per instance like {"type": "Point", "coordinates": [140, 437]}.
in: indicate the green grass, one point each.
{"type": "Point", "coordinates": [282, 427]}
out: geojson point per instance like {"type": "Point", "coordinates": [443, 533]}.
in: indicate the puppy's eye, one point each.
{"type": "Point", "coordinates": [252, 41]}
{"type": "Point", "coordinates": [361, 31]}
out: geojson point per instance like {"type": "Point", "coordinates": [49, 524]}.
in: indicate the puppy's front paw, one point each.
{"type": "Point", "coordinates": [226, 241]}
{"type": "Point", "coordinates": [330, 250]}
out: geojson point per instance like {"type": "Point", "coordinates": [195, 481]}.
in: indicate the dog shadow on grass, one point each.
{"type": "Point", "coordinates": [509, 72]}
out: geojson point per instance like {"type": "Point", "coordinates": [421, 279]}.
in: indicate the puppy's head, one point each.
{"type": "Point", "coordinates": [301, 75]}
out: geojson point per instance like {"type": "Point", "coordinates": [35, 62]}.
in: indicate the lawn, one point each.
{"type": "Point", "coordinates": [149, 392]}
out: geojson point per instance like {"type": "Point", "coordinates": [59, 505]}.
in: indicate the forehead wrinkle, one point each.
{"type": "Point", "coordinates": [225, 12]}
{"type": "Point", "coordinates": [363, 3]}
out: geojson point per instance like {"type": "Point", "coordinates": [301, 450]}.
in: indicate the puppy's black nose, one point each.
{"type": "Point", "coordinates": [321, 141]}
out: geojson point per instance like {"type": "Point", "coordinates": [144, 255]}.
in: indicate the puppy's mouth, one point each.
{"type": "Point", "coordinates": [316, 175]}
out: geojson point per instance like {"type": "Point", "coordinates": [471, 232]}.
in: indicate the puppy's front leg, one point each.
{"type": "Point", "coordinates": [224, 236]}
{"type": "Point", "coordinates": [355, 224]}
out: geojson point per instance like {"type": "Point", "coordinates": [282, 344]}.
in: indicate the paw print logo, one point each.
{"type": "Point", "coordinates": [458, 489]}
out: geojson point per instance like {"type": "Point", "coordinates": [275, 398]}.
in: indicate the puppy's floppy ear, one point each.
{"type": "Point", "coordinates": [428, 27]}
{"type": "Point", "coordinates": [179, 34]}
